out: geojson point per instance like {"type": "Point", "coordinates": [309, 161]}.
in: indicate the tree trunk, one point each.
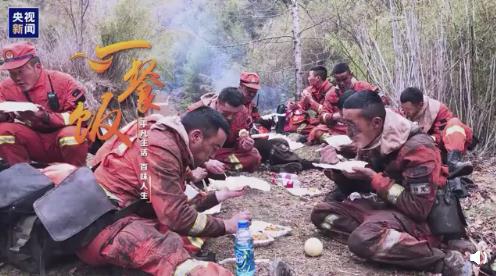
{"type": "Point", "coordinates": [296, 47]}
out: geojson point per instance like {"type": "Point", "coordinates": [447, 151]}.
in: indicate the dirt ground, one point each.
{"type": "Point", "coordinates": [280, 207]}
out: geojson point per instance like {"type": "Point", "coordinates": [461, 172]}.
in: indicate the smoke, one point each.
{"type": "Point", "coordinates": [197, 32]}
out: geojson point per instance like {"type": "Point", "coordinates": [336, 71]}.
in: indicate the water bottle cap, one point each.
{"type": "Point", "coordinates": [243, 224]}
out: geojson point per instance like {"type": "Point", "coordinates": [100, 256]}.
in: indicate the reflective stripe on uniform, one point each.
{"type": "Point", "coordinates": [196, 242]}
{"type": "Point", "coordinates": [121, 148]}
{"type": "Point", "coordinates": [7, 139]}
{"type": "Point", "coordinates": [453, 129]}
{"type": "Point", "coordinates": [66, 116]}
{"type": "Point", "coordinates": [394, 192]}
{"type": "Point", "coordinates": [187, 266]}
{"type": "Point", "coordinates": [68, 141]}
{"type": "Point", "coordinates": [233, 159]}
{"type": "Point", "coordinates": [199, 225]}
{"type": "Point", "coordinates": [324, 116]}
{"type": "Point", "coordinates": [301, 128]}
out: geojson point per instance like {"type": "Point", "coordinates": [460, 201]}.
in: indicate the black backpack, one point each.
{"type": "Point", "coordinates": [41, 224]}
{"type": "Point", "coordinates": [20, 186]}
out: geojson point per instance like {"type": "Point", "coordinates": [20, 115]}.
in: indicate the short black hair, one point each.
{"type": "Point", "coordinates": [412, 94]}
{"type": "Point", "coordinates": [344, 97]}
{"type": "Point", "coordinates": [232, 96]}
{"type": "Point", "coordinates": [320, 71]}
{"type": "Point", "coordinates": [340, 68]}
{"type": "Point", "coordinates": [369, 102]}
{"type": "Point", "coordinates": [208, 120]}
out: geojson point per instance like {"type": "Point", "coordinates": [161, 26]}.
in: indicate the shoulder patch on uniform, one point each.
{"type": "Point", "coordinates": [420, 188]}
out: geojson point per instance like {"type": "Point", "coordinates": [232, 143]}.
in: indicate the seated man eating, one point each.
{"type": "Point", "coordinates": [406, 172]}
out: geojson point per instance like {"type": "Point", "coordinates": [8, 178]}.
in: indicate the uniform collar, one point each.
{"type": "Point", "coordinates": [172, 122]}
{"type": "Point", "coordinates": [325, 84]}
{"type": "Point", "coordinates": [41, 80]}
{"type": "Point", "coordinates": [394, 135]}
{"type": "Point", "coordinates": [427, 114]}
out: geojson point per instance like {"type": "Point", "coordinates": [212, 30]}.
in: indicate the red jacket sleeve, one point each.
{"type": "Point", "coordinates": [169, 201]}
{"type": "Point", "coordinates": [329, 106]}
{"type": "Point", "coordinates": [204, 201]}
{"type": "Point", "coordinates": [70, 92]}
{"type": "Point", "coordinates": [421, 174]}
{"type": "Point", "coordinates": [440, 122]}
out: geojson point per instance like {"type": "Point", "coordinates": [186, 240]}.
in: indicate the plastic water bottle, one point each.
{"type": "Point", "coordinates": [243, 250]}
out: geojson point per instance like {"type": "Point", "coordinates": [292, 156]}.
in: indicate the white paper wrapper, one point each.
{"type": "Point", "coordinates": [338, 140]}
{"type": "Point", "coordinates": [264, 242]}
{"type": "Point", "coordinates": [304, 191]}
{"type": "Point", "coordinates": [9, 106]}
{"type": "Point", "coordinates": [214, 210]}
{"type": "Point", "coordinates": [236, 183]}
{"type": "Point", "coordinates": [190, 192]}
{"type": "Point", "coordinates": [343, 165]}
{"type": "Point", "coordinates": [270, 229]}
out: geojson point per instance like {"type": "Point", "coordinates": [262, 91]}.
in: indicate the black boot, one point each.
{"type": "Point", "coordinates": [280, 268]}
{"type": "Point", "coordinates": [456, 265]}
{"type": "Point", "coordinates": [291, 167]}
{"type": "Point", "coordinates": [456, 166]}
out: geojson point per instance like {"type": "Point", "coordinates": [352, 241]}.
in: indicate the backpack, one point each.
{"type": "Point", "coordinates": [35, 231]}
{"type": "Point", "coordinates": [20, 186]}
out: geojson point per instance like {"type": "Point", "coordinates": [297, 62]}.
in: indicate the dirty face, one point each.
{"type": "Point", "coordinates": [362, 130]}
{"type": "Point", "coordinates": [343, 80]}
{"type": "Point", "coordinates": [411, 110]}
{"type": "Point", "coordinates": [26, 76]}
{"type": "Point", "coordinates": [313, 79]}
{"type": "Point", "coordinates": [204, 147]}
{"type": "Point", "coordinates": [248, 93]}
{"type": "Point", "coordinates": [227, 110]}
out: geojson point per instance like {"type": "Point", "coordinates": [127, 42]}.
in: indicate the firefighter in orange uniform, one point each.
{"type": "Point", "coordinates": [303, 115]}
{"type": "Point", "coordinates": [238, 153]}
{"type": "Point", "coordinates": [391, 227]}
{"type": "Point", "coordinates": [249, 84]}
{"type": "Point", "coordinates": [329, 117]}
{"type": "Point", "coordinates": [44, 135]}
{"type": "Point", "coordinates": [434, 118]}
{"type": "Point", "coordinates": [162, 242]}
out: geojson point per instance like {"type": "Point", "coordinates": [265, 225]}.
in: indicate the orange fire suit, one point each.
{"type": "Point", "coordinates": [163, 240]}
{"type": "Point", "coordinates": [231, 153]}
{"type": "Point", "coordinates": [447, 130]}
{"type": "Point", "coordinates": [305, 116]}
{"type": "Point", "coordinates": [48, 139]}
{"type": "Point", "coordinates": [392, 228]}
{"type": "Point", "coordinates": [329, 107]}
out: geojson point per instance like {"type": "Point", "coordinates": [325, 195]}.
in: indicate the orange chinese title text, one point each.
{"type": "Point", "coordinates": [140, 78]}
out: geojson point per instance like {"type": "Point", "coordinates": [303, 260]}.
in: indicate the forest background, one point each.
{"type": "Point", "coordinates": [445, 47]}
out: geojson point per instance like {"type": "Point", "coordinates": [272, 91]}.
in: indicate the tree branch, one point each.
{"type": "Point", "coordinates": [255, 41]}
